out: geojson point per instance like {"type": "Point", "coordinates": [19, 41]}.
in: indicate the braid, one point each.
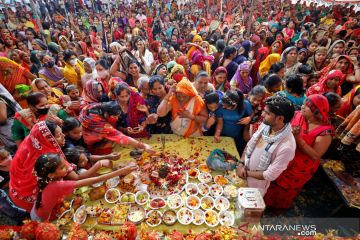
{"type": "Point", "coordinates": [45, 164]}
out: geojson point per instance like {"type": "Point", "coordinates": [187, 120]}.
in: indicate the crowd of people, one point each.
{"type": "Point", "coordinates": [277, 78]}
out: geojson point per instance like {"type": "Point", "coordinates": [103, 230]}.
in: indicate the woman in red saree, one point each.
{"type": "Point", "coordinates": [329, 83]}
{"type": "Point", "coordinates": [98, 121]}
{"type": "Point", "coordinates": [349, 102]}
{"type": "Point", "coordinates": [313, 134]}
{"type": "Point", "coordinates": [45, 137]}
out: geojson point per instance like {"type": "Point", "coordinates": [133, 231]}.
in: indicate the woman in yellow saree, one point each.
{"type": "Point", "coordinates": [196, 40]}
{"type": "Point", "coordinates": [187, 109]}
{"type": "Point", "coordinates": [73, 70]}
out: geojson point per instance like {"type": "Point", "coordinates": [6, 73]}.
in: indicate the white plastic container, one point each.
{"type": "Point", "coordinates": [250, 204]}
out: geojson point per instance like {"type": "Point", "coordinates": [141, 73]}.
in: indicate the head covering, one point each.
{"type": "Point", "coordinates": [54, 48]}
{"type": "Point", "coordinates": [330, 50]}
{"type": "Point", "coordinates": [347, 102]}
{"type": "Point", "coordinates": [91, 62]}
{"type": "Point", "coordinates": [186, 87]}
{"type": "Point", "coordinates": [17, 77]}
{"type": "Point", "coordinates": [91, 92]}
{"type": "Point", "coordinates": [23, 183]}
{"type": "Point", "coordinates": [279, 51]}
{"type": "Point", "coordinates": [41, 44]}
{"type": "Point", "coordinates": [177, 73]}
{"type": "Point", "coordinates": [321, 86]}
{"type": "Point", "coordinates": [170, 65]}
{"type": "Point", "coordinates": [285, 53]}
{"type": "Point", "coordinates": [268, 62]}
{"type": "Point", "coordinates": [225, 85]}
{"type": "Point", "coordinates": [193, 48]}
{"type": "Point", "coordinates": [247, 47]}
{"type": "Point", "coordinates": [319, 106]}
{"type": "Point", "coordinates": [245, 67]}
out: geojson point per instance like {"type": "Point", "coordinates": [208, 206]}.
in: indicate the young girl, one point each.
{"type": "Point", "coordinates": [50, 170]}
{"type": "Point", "coordinates": [213, 125]}
{"type": "Point", "coordinates": [71, 101]}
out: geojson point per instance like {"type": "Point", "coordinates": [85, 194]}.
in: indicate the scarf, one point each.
{"type": "Point", "coordinates": [272, 143]}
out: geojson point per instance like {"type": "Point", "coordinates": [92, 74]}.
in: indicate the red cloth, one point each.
{"type": "Point", "coordinates": [288, 185]}
{"type": "Point", "coordinates": [23, 183]}
{"type": "Point", "coordinates": [53, 195]}
{"type": "Point", "coordinates": [321, 86]}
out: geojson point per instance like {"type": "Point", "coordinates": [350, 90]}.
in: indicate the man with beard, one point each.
{"type": "Point", "coordinates": [272, 146]}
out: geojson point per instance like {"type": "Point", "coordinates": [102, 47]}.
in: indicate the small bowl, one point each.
{"type": "Point", "coordinates": [156, 214]}
{"type": "Point", "coordinates": [184, 216]}
{"type": "Point", "coordinates": [221, 180]}
{"type": "Point", "coordinates": [222, 203]}
{"type": "Point", "coordinates": [112, 195]}
{"type": "Point", "coordinates": [191, 189]}
{"type": "Point", "coordinates": [127, 198]}
{"type": "Point", "coordinates": [198, 217]}
{"type": "Point", "coordinates": [214, 215]}
{"type": "Point", "coordinates": [174, 201]}
{"type": "Point", "coordinates": [142, 197]}
{"type": "Point", "coordinates": [205, 177]}
{"type": "Point", "coordinates": [193, 202]}
{"type": "Point", "coordinates": [230, 191]}
{"type": "Point", "coordinates": [193, 173]}
{"type": "Point", "coordinates": [204, 189]}
{"type": "Point", "coordinates": [207, 203]}
{"type": "Point", "coordinates": [226, 218]}
{"type": "Point", "coordinates": [169, 217]}
{"type": "Point", "coordinates": [80, 215]}
{"type": "Point", "coordinates": [112, 182]}
{"type": "Point", "coordinates": [204, 168]}
{"type": "Point", "coordinates": [157, 203]}
{"type": "Point", "coordinates": [216, 190]}
{"type": "Point", "coordinates": [136, 214]}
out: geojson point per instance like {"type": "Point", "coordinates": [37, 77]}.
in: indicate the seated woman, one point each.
{"type": "Point", "coordinates": [71, 101]}
{"type": "Point", "coordinates": [8, 108]}
{"type": "Point", "coordinates": [330, 83]}
{"type": "Point", "coordinates": [202, 83]}
{"type": "Point", "coordinates": [98, 128]}
{"type": "Point", "coordinates": [219, 79]}
{"type": "Point", "coordinates": [187, 109]}
{"type": "Point", "coordinates": [133, 112]}
{"type": "Point", "coordinates": [73, 70]}
{"type": "Point", "coordinates": [53, 94]}
{"type": "Point", "coordinates": [158, 90]}
{"type": "Point", "coordinates": [161, 69]}
{"type": "Point", "coordinates": [90, 71]}
{"type": "Point", "coordinates": [93, 92]}
{"type": "Point", "coordinates": [294, 91]}
{"type": "Point", "coordinates": [242, 80]}
{"type": "Point", "coordinates": [102, 70]}
{"type": "Point", "coordinates": [235, 113]}
{"type": "Point", "coordinates": [39, 109]}
{"type": "Point", "coordinates": [52, 74]}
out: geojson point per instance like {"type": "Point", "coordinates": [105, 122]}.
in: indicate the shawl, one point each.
{"type": "Point", "coordinates": [332, 66]}
{"type": "Point", "coordinates": [16, 76]}
{"type": "Point", "coordinates": [193, 48]}
{"type": "Point", "coordinates": [91, 93]}
{"type": "Point", "coordinates": [186, 87]}
{"type": "Point", "coordinates": [49, 76]}
{"type": "Point", "coordinates": [330, 50]}
{"type": "Point", "coordinates": [267, 63]}
{"type": "Point", "coordinates": [272, 143]}
{"type": "Point", "coordinates": [96, 127]}
{"type": "Point", "coordinates": [321, 87]}
{"type": "Point", "coordinates": [311, 61]}
{"type": "Point", "coordinates": [237, 79]}
{"type": "Point", "coordinates": [70, 73]}
{"type": "Point", "coordinates": [197, 58]}
{"type": "Point", "coordinates": [349, 130]}
{"type": "Point", "coordinates": [319, 106]}
{"type": "Point", "coordinates": [23, 183]}
{"type": "Point", "coordinates": [285, 53]}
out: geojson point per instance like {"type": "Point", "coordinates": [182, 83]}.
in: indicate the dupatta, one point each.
{"type": "Point", "coordinates": [23, 182]}
{"type": "Point", "coordinates": [16, 77]}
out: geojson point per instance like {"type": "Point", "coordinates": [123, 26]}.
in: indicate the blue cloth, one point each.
{"type": "Point", "coordinates": [231, 117]}
{"type": "Point", "coordinates": [297, 101]}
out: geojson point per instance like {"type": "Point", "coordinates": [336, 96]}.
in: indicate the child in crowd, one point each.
{"type": "Point", "coordinates": [213, 124]}
{"type": "Point", "coordinates": [71, 101]}
{"type": "Point", "coordinates": [50, 170]}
